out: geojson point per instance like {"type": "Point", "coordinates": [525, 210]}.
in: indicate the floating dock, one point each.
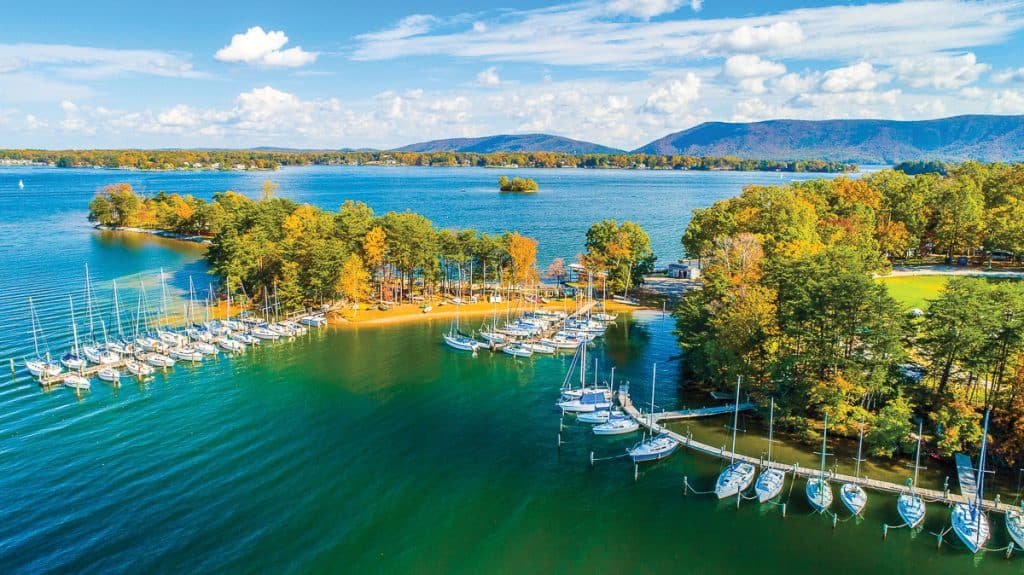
{"type": "Point", "coordinates": [930, 495]}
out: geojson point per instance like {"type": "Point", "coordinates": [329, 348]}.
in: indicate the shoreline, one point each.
{"type": "Point", "coordinates": [155, 232]}
{"type": "Point", "coordinates": [411, 313]}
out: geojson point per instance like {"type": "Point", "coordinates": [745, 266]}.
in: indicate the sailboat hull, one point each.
{"type": "Point", "coordinates": [734, 479]}
{"type": "Point", "coordinates": [1015, 526]}
{"type": "Point", "coordinates": [911, 509]}
{"type": "Point", "coordinates": [971, 526]}
{"type": "Point", "coordinates": [853, 497]}
{"type": "Point", "coordinates": [819, 494]}
{"type": "Point", "coordinates": [769, 484]}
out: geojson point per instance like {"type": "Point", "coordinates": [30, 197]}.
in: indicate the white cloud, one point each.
{"type": "Point", "coordinates": [859, 77]}
{"type": "Point", "coordinates": [255, 46]}
{"type": "Point", "coordinates": [647, 9]}
{"type": "Point", "coordinates": [479, 27]}
{"type": "Point", "coordinates": [794, 83]}
{"type": "Point", "coordinates": [410, 26]}
{"type": "Point", "coordinates": [1008, 102]}
{"type": "Point", "coordinates": [749, 38]}
{"type": "Point", "coordinates": [582, 34]}
{"type": "Point", "coordinates": [1009, 75]}
{"type": "Point", "coordinates": [674, 96]}
{"type": "Point", "coordinates": [940, 72]}
{"type": "Point", "coordinates": [751, 66]}
{"type": "Point", "coordinates": [488, 77]}
{"type": "Point", "coordinates": [86, 62]}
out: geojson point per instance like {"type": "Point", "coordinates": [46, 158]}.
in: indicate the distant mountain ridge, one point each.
{"type": "Point", "coordinates": [511, 143]}
{"type": "Point", "coordinates": [986, 138]}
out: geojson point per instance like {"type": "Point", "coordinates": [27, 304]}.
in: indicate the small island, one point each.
{"type": "Point", "coordinates": [524, 185]}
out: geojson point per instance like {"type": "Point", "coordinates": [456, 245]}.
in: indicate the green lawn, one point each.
{"type": "Point", "coordinates": [914, 291]}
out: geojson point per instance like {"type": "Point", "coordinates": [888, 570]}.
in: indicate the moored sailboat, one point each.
{"type": "Point", "coordinates": [819, 492]}
{"type": "Point", "coordinates": [657, 446]}
{"type": "Point", "coordinates": [969, 520]}
{"type": "Point", "coordinates": [853, 495]}
{"type": "Point", "coordinates": [772, 479]}
{"type": "Point", "coordinates": [739, 474]}
{"type": "Point", "coordinates": [910, 506]}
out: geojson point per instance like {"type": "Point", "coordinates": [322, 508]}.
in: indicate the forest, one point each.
{"type": "Point", "coordinates": [791, 302]}
{"type": "Point", "coordinates": [270, 159]}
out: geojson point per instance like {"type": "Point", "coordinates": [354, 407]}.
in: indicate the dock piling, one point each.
{"type": "Point", "coordinates": [885, 531]}
{"type": "Point", "coordinates": [591, 459]}
{"type": "Point", "coordinates": [636, 472]}
{"type": "Point", "coordinates": [783, 510]}
{"type": "Point", "coordinates": [835, 520]}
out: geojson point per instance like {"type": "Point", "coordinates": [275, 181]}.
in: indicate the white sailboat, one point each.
{"type": "Point", "coordinates": [657, 446]}
{"type": "Point", "coordinates": [110, 375]}
{"type": "Point", "coordinates": [138, 369]}
{"type": "Point", "coordinates": [72, 360]}
{"type": "Point", "coordinates": [21, 185]}
{"type": "Point", "coordinates": [853, 495]}
{"type": "Point", "coordinates": [739, 474]}
{"type": "Point", "coordinates": [819, 492]}
{"type": "Point", "coordinates": [969, 520]}
{"type": "Point", "coordinates": [41, 365]}
{"type": "Point", "coordinates": [772, 479]}
{"type": "Point", "coordinates": [455, 339]}
{"type": "Point", "coordinates": [1015, 525]}
{"type": "Point", "coordinates": [910, 506]}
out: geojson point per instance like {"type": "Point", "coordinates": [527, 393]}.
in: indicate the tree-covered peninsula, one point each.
{"type": "Point", "coordinates": [790, 302]}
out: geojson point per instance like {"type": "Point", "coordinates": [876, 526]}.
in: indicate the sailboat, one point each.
{"type": "Point", "coordinates": [457, 340]}
{"type": "Point", "coordinates": [41, 366]}
{"type": "Point", "coordinates": [819, 492]}
{"type": "Point", "coordinates": [853, 495]}
{"type": "Point", "coordinates": [21, 185]}
{"type": "Point", "coordinates": [588, 400]}
{"type": "Point", "coordinates": [772, 479]}
{"type": "Point", "coordinates": [910, 505]}
{"type": "Point", "coordinates": [657, 446]}
{"type": "Point", "coordinates": [739, 474]}
{"type": "Point", "coordinates": [72, 359]}
{"type": "Point", "coordinates": [969, 520]}
{"type": "Point", "coordinates": [1015, 525]}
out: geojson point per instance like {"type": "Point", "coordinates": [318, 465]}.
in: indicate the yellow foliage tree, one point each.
{"type": "Point", "coordinates": [523, 253]}
{"type": "Point", "coordinates": [354, 282]}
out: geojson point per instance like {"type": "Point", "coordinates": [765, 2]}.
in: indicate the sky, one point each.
{"type": "Point", "coordinates": [331, 75]}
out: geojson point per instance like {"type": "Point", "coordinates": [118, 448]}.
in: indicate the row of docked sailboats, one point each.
{"type": "Point", "coordinates": [151, 344]}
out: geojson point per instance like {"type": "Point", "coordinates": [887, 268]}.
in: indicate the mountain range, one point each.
{"type": "Point", "coordinates": [978, 137]}
{"type": "Point", "coordinates": [511, 143]}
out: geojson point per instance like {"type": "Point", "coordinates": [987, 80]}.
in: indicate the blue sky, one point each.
{"type": "Point", "coordinates": [617, 72]}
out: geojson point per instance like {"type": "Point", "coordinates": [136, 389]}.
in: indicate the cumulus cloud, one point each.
{"type": "Point", "coordinates": [1009, 75]}
{"type": "Point", "coordinates": [751, 71]}
{"type": "Point", "coordinates": [940, 72]}
{"type": "Point", "coordinates": [674, 96]}
{"type": "Point", "coordinates": [749, 38]}
{"type": "Point", "coordinates": [488, 77]}
{"type": "Point", "coordinates": [256, 46]}
{"type": "Point", "coordinates": [859, 77]}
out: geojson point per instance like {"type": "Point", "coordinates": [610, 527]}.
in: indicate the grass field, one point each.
{"type": "Point", "coordinates": [914, 291]}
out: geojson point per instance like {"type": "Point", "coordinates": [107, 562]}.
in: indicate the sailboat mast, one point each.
{"type": "Point", "coordinates": [771, 429]}
{"type": "Point", "coordinates": [917, 454]}
{"type": "Point", "coordinates": [824, 439]}
{"type": "Point", "coordinates": [735, 420]}
{"type": "Point", "coordinates": [860, 446]}
{"type": "Point", "coordinates": [74, 328]}
{"type": "Point", "coordinates": [35, 335]}
{"type": "Point", "coordinates": [979, 500]}
{"type": "Point", "coordinates": [117, 312]}
{"type": "Point", "coordinates": [654, 377]}
{"type": "Point", "coordinates": [88, 298]}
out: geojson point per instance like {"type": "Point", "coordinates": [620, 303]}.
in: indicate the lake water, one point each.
{"type": "Point", "coordinates": [377, 449]}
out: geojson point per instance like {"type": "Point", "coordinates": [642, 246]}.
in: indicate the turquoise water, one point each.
{"type": "Point", "coordinates": [369, 450]}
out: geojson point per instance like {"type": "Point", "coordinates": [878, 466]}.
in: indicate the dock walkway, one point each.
{"type": "Point", "coordinates": [929, 495]}
{"type": "Point", "coordinates": [700, 412]}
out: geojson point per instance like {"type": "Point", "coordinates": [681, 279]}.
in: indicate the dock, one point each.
{"type": "Point", "coordinates": [965, 472]}
{"type": "Point", "coordinates": [929, 495]}
{"type": "Point", "coordinates": [701, 412]}
{"type": "Point", "coordinates": [87, 372]}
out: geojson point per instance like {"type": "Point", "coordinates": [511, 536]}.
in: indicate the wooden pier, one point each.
{"type": "Point", "coordinates": [929, 495]}
{"type": "Point", "coordinates": [701, 412]}
{"type": "Point", "coordinates": [87, 372]}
